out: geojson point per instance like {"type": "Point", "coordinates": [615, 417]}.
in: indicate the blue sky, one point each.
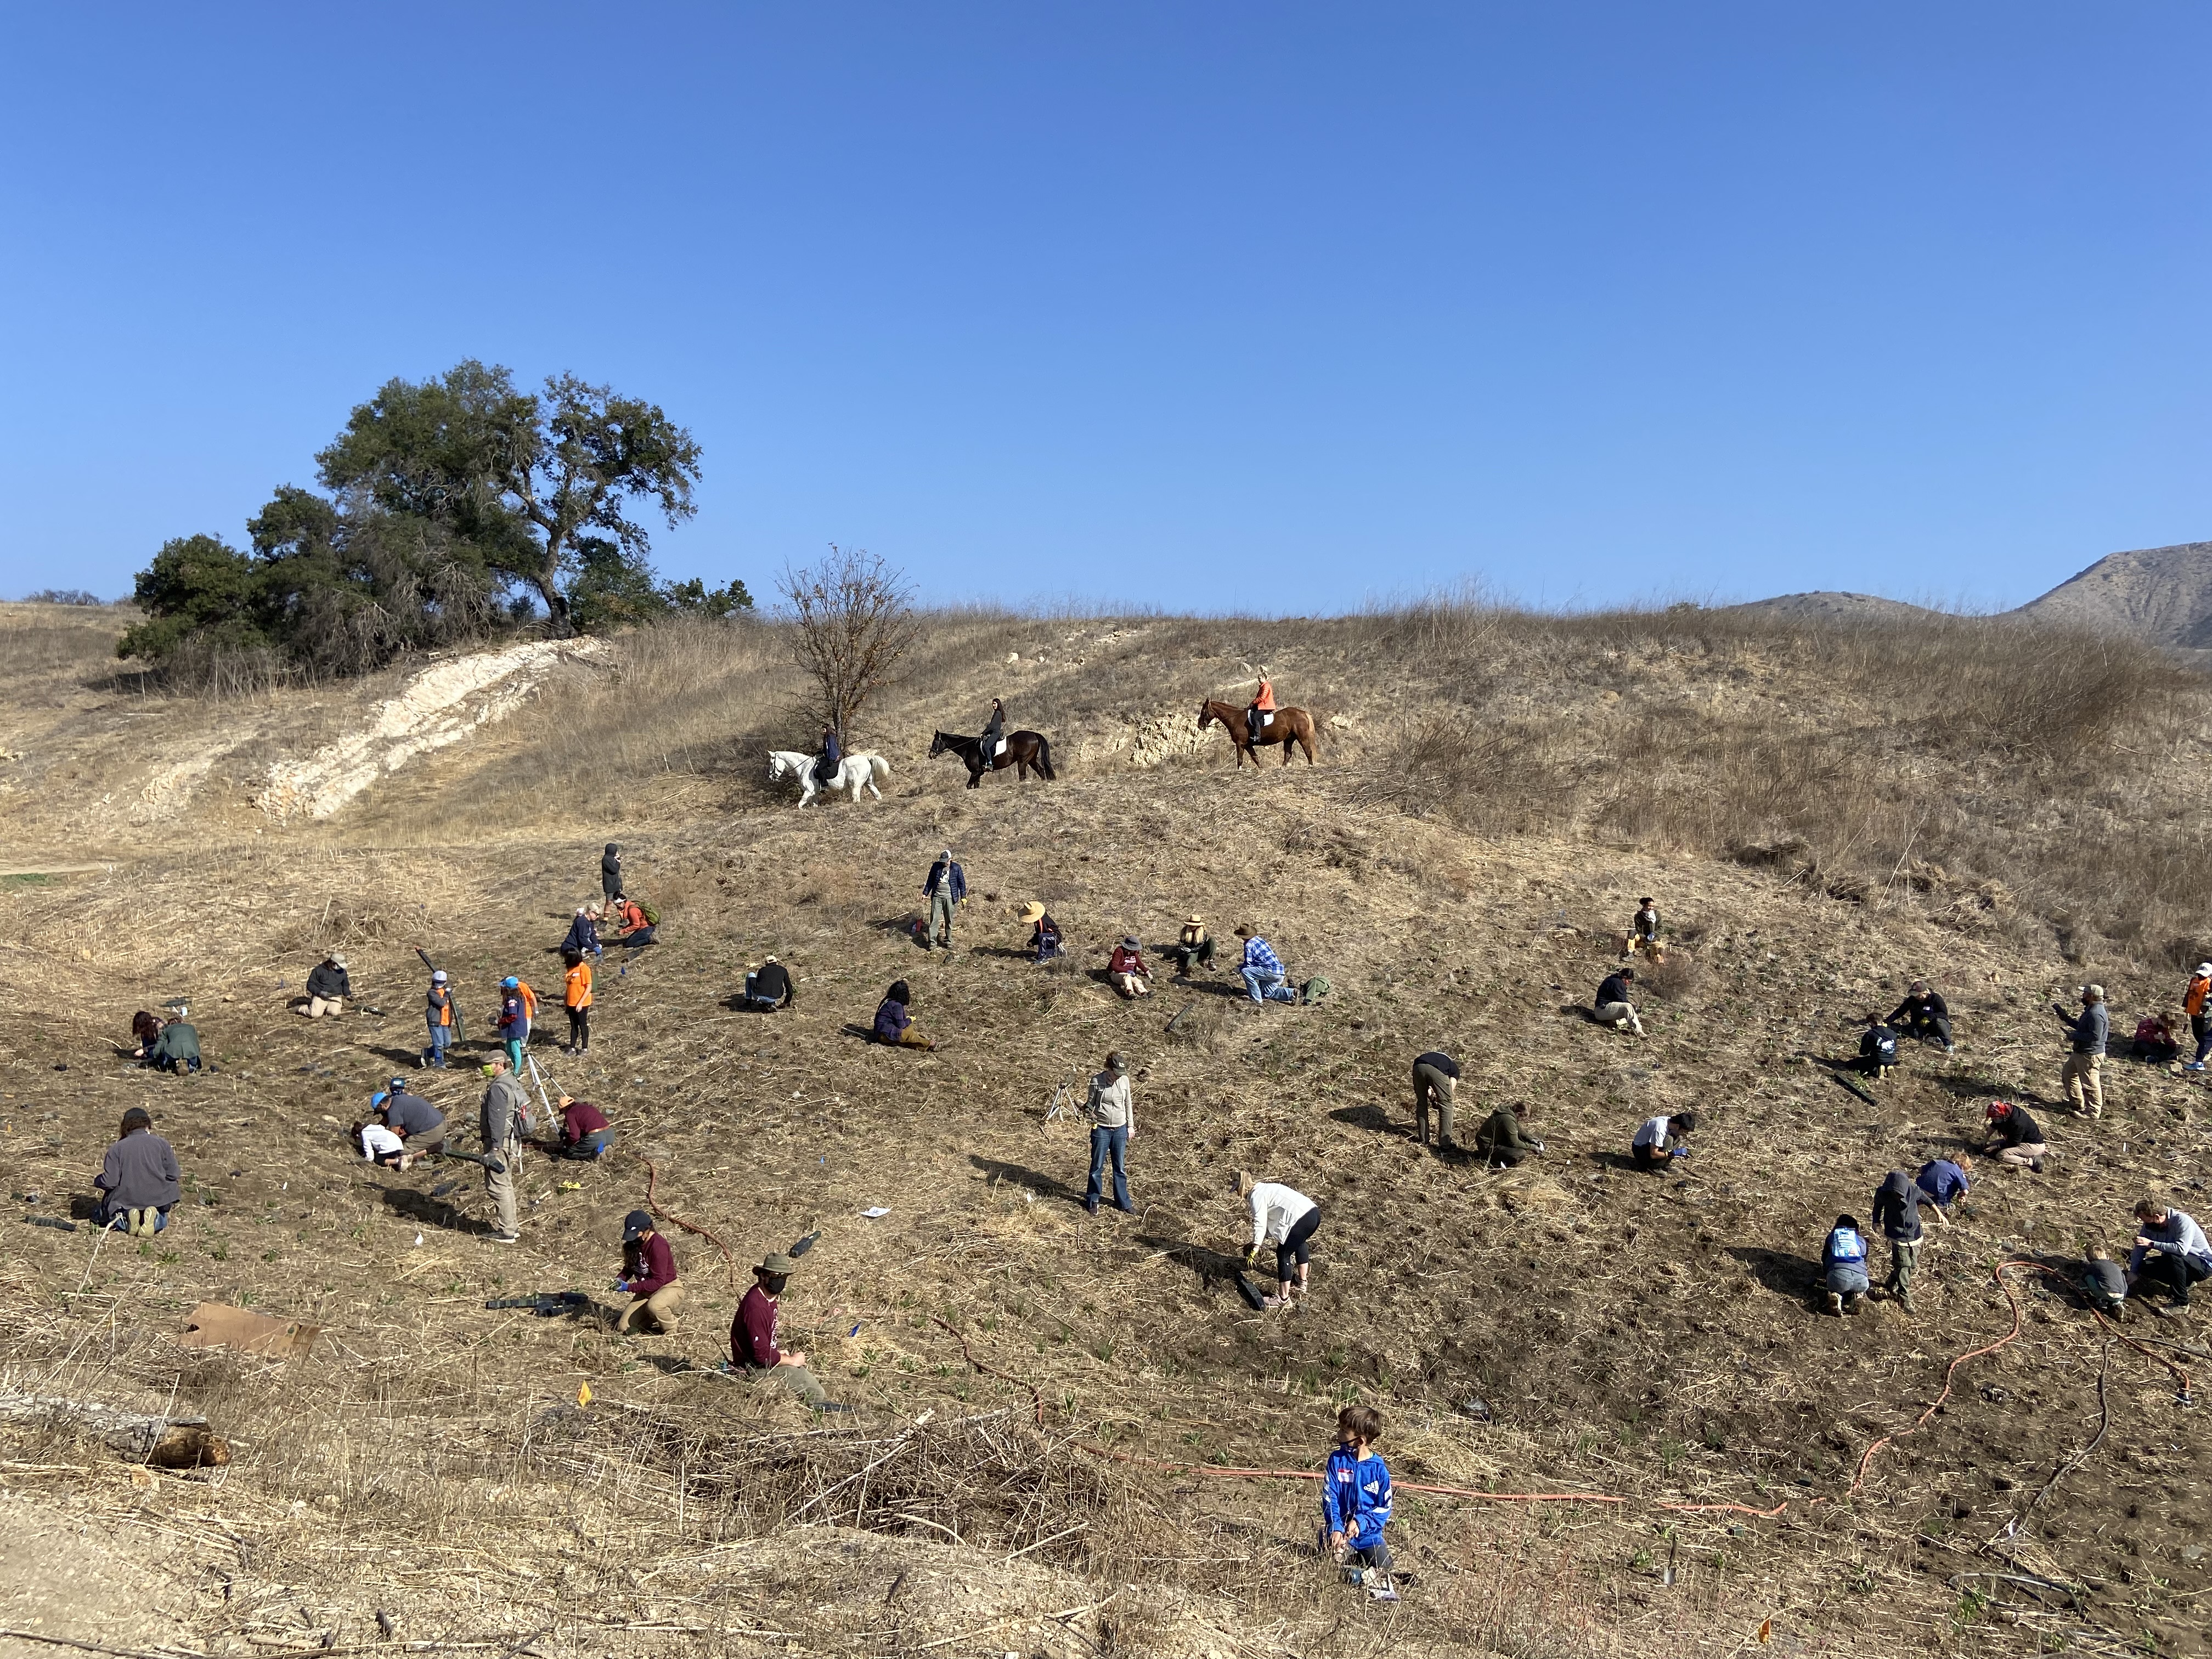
{"type": "Point", "coordinates": [1280, 306]}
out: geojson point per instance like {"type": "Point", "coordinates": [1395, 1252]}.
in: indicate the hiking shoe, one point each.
{"type": "Point", "coordinates": [1836, 1302]}
{"type": "Point", "coordinates": [504, 1238]}
{"type": "Point", "coordinates": [1268, 1302]}
{"type": "Point", "coordinates": [1853, 1301]}
{"type": "Point", "coordinates": [1385, 1591]}
{"type": "Point", "coordinates": [1126, 1209]}
{"type": "Point", "coordinates": [2194, 1066]}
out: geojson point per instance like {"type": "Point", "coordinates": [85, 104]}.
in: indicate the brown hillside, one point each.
{"type": "Point", "coordinates": [2160, 595]}
{"type": "Point", "coordinates": [1824, 813]}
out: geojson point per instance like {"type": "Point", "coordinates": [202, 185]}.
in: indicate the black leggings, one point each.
{"type": "Point", "coordinates": [579, 1028]}
{"type": "Point", "coordinates": [2176, 1272]}
{"type": "Point", "coordinates": [1297, 1248]}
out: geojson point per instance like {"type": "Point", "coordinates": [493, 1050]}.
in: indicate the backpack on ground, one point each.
{"type": "Point", "coordinates": [1314, 990]}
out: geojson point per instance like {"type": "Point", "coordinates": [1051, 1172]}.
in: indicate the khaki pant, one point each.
{"type": "Point", "coordinates": [662, 1311]}
{"type": "Point", "coordinates": [2024, 1154]}
{"type": "Point", "coordinates": [912, 1038]}
{"type": "Point", "coordinates": [940, 920]}
{"type": "Point", "coordinates": [1132, 985]}
{"type": "Point", "coordinates": [499, 1186]}
{"type": "Point", "coordinates": [2085, 1082]}
{"type": "Point", "coordinates": [1903, 1257]}
{"type": "Point", "coordinates": [799, 1380]}
{"type": "Point", "coordinates": [316, 1007]}
{"type": "Point", "coordinates": [1430, 1084]}
{"type": "Point", "coordinates": [1618, 1014]}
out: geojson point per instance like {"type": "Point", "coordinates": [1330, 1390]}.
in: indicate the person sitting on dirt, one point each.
{"type": "Point", "coordinates": [2154, 1041]}
{"type": "Point", "coordinates": [328, 988]}
{"type": "Point", "coordinates": [2014, 1137]}
{"type": "Point", "coordinates": [1843, 1261]}
{"type": "Point", "coordinates": [611, 875]}
{"type": "Point", "coordinates": [1287, 1218]}
{"type": "Point", "coordinates": [752, 1334]}
{"type": "Point", "coordinates": [1897, 1203]}
{"type": "Point", "coordinates": [1044, 933]}
{"type": "Point", "coordinates": [1262, 969]}
{"type": "Point", "coordinates": [994, 734]}
{"type": "Point", "coordinates": [1945, 1180]}
{"type": "Point", "coordinates": [833, 755]}
{"type": "Point", "coordinates": [1502, 1140]}
{"type": "Point", "coordinates": [1659, 1139]}
{"type": "Point", "coordinates": [1125, 968]}
{"type": "Point", "coordinates": [1355, 1503]}
{"type": "Point", "coordinates": [2170, 1250]}
{"type": "Point", "coordinates": [768, 988]}
{"type": "Point", "coordinates": [145, 1031]}
{"type": "Point", "coordinates": [417, 1123]}
{"type": "Point", "coordinates": [1261, 714]}
{"type": "Point", "coordinates": [583, 934]}
{"type": "Point", "coordinates": [585, 1132]}
{"type": "Point", "coordinates": [177, 1047]}
{"type": "Point", "coordinates": [1644, 929]}
{"type": "Point", "coordinates": [638, 924]}
{"type": "Point", "coordinates": [1612, 1006]}
{"type": "Point", "coordinates": [2104, 1284]}
{"type": "Point", "coordinates": [1436, 1083]}
{"type": "Point", "coordinates": [1877, 1047]}
{"type": "Point", "coordinates": [1922, 1014]}
{"type": "Point", "coordinates": [443, 1018]}
{"type": "Point", "coordinates": [514, 1020]}
{"type": "Point", "coordinates": [648, 1274]}
{"type": "Point", "coordinates": [1193, 944]}
{"type": "Point", "coordinates": [893, 1024]}
{"type": "Point", "coordinates": [2193, 1004]}
{"type": "Point", "coordinates": [382, 1148]}
{"type": "Point", "coordinates": [139, 1182]}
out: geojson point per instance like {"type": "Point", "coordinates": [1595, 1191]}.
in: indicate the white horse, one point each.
{"type": "Point", "coordinates": [855, 772]}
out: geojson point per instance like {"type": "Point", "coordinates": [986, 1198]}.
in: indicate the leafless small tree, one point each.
{"type": "Point", "coordinates": [854, 618]}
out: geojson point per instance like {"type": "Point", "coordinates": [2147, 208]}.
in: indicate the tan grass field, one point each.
{"type": "Point", "coordinates": [1823, 813]}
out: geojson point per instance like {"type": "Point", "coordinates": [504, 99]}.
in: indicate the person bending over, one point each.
{"type": "Point", "coordinates": [1287, 1218]}
{"type": "Point", "coordinates": [1659, 1139]}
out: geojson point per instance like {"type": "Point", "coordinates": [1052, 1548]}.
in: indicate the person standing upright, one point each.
{"type": "Point", "coordinates": [1897, 1204]}
{"type": "Point", "coordinates": [611, 874]}
{"type": "Point", "coordinates": [1113, 1114]}
{"type": "Point", "coordinates": [576, 996]}
{"type": "Point", "coordinates": [946, 887]}
{"type": "Point", "coordinates": [514, 1020]}
{"type": "Point", "coordinates": [2084, 1071]}
{"type": "Point", "coordinates": [438, 1010]}
{"type": "Point", "coordinates": [2193, 999]}
{"type": "Point", "coordinates": [500, 1119]}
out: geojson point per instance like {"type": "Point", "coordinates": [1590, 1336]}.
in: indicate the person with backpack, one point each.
{"type": "Point", "coordinates": [1044, 933]}
{"type": "Point", "coordinates": [503, 1119]}
{"type": "Point", "coordinates": [513, 1021]}
{"type": "Point", "coordinates": [576, 998]}
{"type": "Point", "coordinates": [444, 1020]}
{"type": "Point", "coordinates": [1877, 1048]}
{"type": "Point", "coordinates": [2084, 1071]}
{"type": "Point", "coordinates": [1921, 1014]}
{"type": "Point", "coordinates": [1843, 1265]}
{"type": "Point", "coordinates": [1897, 1203]}
{"type": "Point", "coordinates": [611, 874]}
{"type": "Point", "coordinates": [641, 923]}
{"type": "Point", "coordinates": [945, 887]}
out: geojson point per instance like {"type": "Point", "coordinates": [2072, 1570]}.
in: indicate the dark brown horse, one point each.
{"type": "Point", "coordinates": [1025, 752]}
{"type": "Point", "coordinates": [1291, 728]}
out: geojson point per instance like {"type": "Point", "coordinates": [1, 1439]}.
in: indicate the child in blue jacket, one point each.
{"type": "Point", "coordinates": [1355, 1502]}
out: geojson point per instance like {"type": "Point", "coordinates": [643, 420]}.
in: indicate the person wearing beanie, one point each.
{"type": "Point", "coordinates": [139, 1182]}
{"type": "Point", "coordinates": [2193, 1004]}
{"type": "Point", "coordinates": [1113, 1114]}
{"type": "Point", "coordinates": [2084, 1071]}
{"type": "Point", "coordinates": [753, 1344]}
{"type": "Point", "coordinates": [1192, 944]}
{"type": "Point", "coordinates": [443, 1017]}
{"type": "Point", "coordinates": [649, 1275]}
{"type": "Point", "coordinates": [1924, 1014]}
{"type": "Point", "coordinates": [328, 988]}
{"type": "Point", "coordinates": [1125, 968]}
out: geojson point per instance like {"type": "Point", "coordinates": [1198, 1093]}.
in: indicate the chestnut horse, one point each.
{"type": "Point", "coordinates": [1025, 752]}
{"type": "Point", "coordinates": [1292, 728]}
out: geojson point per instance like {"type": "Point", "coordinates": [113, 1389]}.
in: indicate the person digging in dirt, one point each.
{"type": "Point", "coordinates": [1612, 1006]}
{"type": "Point", "coordinates": [1877, 1048]}
{"type": "Point", "coordinates": [894, 1025]}
{"type": "Point", "coordinates": [1436, 1081]}
{"type": "Point", "coordinates": [1113, 1114]}
{"type": "Point", "coordinates": [499, 1117]}
{"type": "Point", "coordinates": [439, 1013]}
{"type": "Point", "coordinates": [1355, 1503]}
{"type": "Point", "coordinates": [382, 1148]}
{"type": "Point", "coordinates": [768, 988]}
{"type": "Point", "coordinates": [328, 988]}
{"type": "Point", "coordinates": [1644, 929]}
{"type": "Point", "coordinates": [145, 1031]}
{"type": "Point", "coordinates": [2193, 1003]}
{"type": "Point", "coordinates": [1192, 944]}
{"type": "Point", "coordinates": [576, 998]}
{"type": "Point", "coordinates": [1125, 968]}
{"type": "Point", "coordinates": [1044, 933]}
{"type": "Point", "coordinates": [583, 934]}
{"type": "Point", "coordinates": [945, 886]}
{"type": "Point", "coordinates": [585, 1132]}
{"type": "Point", "coordinates": [2154, 1041]}
{"type": "Point", "coordinates": [1502, 1140]}
{"type": "Point", "coordinates": [639, 925]}
{"type": "Point", "coordinates": [139, 1181]}
{"type": "Point", "coordinates": [1660, 1139]}
{"type": "Point", "coordinates": [2105, 1284]}
{"type": "Point", "coordinates": [2014, 1137]}
{"type": "Point", "coordinates": [611, 874]}
{"type": "Point", "coordinates": [1262, 969]}
{"type": "Point", "coordinates": [1924, 1014]}
{"type": "Point", "coordinates": [649, 1275]}
{"type": "Point", "coordinates": [2170, 1250]}
{"type": "Point", "coordinates": [752, 1334]}
{"type": "Point", "coordinates": [177, 1047]}
{"type": "Point", "coordinates": [1897, 1203]}
{"type": "Point", "coordinates": [1288, 1220]}
{"type": "Point", "coordinates": [1946, 1180]}
{"type": "Point", "coordinates": [1843, 1261]}
{"type": "Point", "coordinates": [2084, 1071]}
{"type": "Point", "coordinates": [419, 1124]}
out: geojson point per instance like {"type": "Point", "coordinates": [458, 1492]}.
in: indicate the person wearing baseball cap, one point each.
{"type": "Point", "coordinates": [2084, 1071]}
{"type": "Point", "coordinates": [752, 1334]}
{"type": "Point", "coordinates": [514, 1019]}
{"type": "Point", "coordinates": [2193, 999]}
{"type": "Point", "coordinates": [1113, 1114]}
{"type": "Point", "coordinates": [649, 1275]}
{"type": "Point", "coordinates": [444, 1019]}
{"type": "Point", "coordinates": [499, 1118]}
{"type": "Point", "coordinates": [419, 1124]}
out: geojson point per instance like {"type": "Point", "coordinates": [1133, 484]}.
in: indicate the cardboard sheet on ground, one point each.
{"type": "Point", "coordinates": [218, 1325]}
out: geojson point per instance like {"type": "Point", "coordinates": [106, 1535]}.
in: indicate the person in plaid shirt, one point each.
{"type": "Point", "coordinates": [1262, 969]}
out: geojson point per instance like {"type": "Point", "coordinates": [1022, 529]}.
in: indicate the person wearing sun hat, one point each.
{"type": "Point", "coordinates": [1192, 944]}
{"type": "Point", "coordinates": [328, 988]}
{"type": "Point", "coordinates": [752, 1333]}
{"type": "Point", "coordinates": [1044, 932]}
{"type": "Point", "coordinates": [1126, 967]}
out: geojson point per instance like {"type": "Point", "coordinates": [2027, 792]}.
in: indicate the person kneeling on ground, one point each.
{"type": "Point", "coordinates": [585, 1131]}
{"type": "Point", "coordinates": [894, 1025]}
{"type": "Point", "coordinates": [2154, 1041]}
{"type": "Point", "coordinates": [2014, 1137]}
{"type": "Point", "coordinates": [1945, 1180]}
{"type": "Point", "coordinates": [139, 1181]}
{"type": "Point", "coordinates": [1644, 930]}
{"type": "Point", "coordinates": [583, 934]}
{"type": "Point", "coordinates": [1922, 1014]}
{"type": "Point", "coordinates": [382, 1148]}
{"type": "Point", "coordinates": [2169, 1251]}
{"type": "Point", "coordinates": [1612, 1007]}
{"type": "Point", "coordinates": [1287, 1218]}
{"type": "Point", "coordinates": [1436, 1082]}
{"type": "Point", "coordinates": [1192, 944]}
{"type": "Point", "coordinates": [768, 988]}
{"type": "Point", "coordinates": [2105, 1284]}
{"type": "Point", "coordinates": [1355, 1503]}
{"type": "Point", "coordinates": [1044, 932]}
{"type": "Point", "coordinates": [1501, 1141]}
{"type": "Point", "coordinates": [639, 925]}
{"type": "Point", "coordinates": [419, 1124]}
{"type": "Point", "coordinates": [1262, 969]}
{"type": "Point", "coordinates": [1844, 1259]}
{"type": "Point", "coordinates": [145, 1031]}
{"type": "Point", "coordinates": [1659, 1139]}
{"type": "Point", "coordinates": [1877, 1048]}
{"type": "Point", "coordinates": [177, 1047]}
{"type": "Point", "coordinates": [328, 988]}
{"type": "Point", "coordinates": [1126, 967]}
{"type": "Point", "coordinates": [649, 1275]}
{"type": "Point", "coordinates": [752, 1334]}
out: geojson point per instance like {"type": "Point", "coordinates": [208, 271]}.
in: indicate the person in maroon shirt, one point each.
{"type": "Point", "coordinates": [585, 1131]}
{"type": "Point", "coordinates": [752, 1334]}
{"type": "Point", "coordinates": [649, 1276]}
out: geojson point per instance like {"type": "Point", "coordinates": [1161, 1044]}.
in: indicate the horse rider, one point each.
{"type": "Point", "coordinates": [1263, 704]}
{"type": "Point", "coordinates": [996, 729]}
{"type": "Point", "coordinates": [826, 769]}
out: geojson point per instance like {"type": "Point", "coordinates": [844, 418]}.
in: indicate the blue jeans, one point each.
{"type": "Point", "coordinates": [1102, 1142]}
{"type": "Point", "coordinates": [1266, 986]}
{"type": "Point", "coordinates": [118, 1217]}
{"type": "Point", "coordinates": [440, 1038]}
{"type": "Point", "coordinates": [1847, 1280]}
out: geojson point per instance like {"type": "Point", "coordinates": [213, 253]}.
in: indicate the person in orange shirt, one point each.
{"type": "Point", "coordinates": [1263, 704]}
{"type": "Point", "coordinates": [576, 996]}
{"type": "Point", "coordinates": [2200, 1018]}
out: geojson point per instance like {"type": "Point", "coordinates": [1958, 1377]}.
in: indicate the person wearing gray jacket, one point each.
{"type": "Point", "coordinates": [2084, 1071]}
{"type": "Point", "coordinates": [1113, 1114]}
{"type": "Point", "coordinates": [139, 1181]}
{"type": "Point", "coordinates": [499, 1118]}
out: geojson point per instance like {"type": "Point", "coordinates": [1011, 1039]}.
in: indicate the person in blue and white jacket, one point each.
{"type": "Point", "coordinates": [1355, 1503]}
{"type": "Point", "coordinates": [1844, 1258]}
{"type": "Point", "coordinates": [1262, 970]}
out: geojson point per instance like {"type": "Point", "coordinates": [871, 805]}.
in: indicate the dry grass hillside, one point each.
{"type": "Point", "coordinates": [1824, 813]}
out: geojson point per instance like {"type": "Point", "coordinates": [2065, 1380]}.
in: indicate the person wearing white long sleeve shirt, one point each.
{"type": "Point", "coordinates": [1287, 1218]}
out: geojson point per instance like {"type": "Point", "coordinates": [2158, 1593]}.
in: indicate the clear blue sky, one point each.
{"type": "Point", "coordinates": [1208, 305]}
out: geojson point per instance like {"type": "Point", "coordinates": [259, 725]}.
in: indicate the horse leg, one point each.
{"type": "Point", "coordinates": [1305, 741]}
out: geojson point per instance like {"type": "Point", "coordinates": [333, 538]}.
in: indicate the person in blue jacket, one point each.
{"type": "Point", "coordinates": [514, 1020]}
{"type": "Point", "coordinates": [583, 934]}
{"type": "Point", "coordinates": [1355, 1503]}
{"type": "Point", "coordinates": [826, 769]}
{"type": "Point", "coordinates": [1844, 1258]}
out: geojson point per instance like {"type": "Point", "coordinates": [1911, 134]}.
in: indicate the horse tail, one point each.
{"type": "Point", "coordinates": [1044, 757]}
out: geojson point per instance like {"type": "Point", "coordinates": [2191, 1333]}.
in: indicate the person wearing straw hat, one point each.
{"type": "Point", "coordinates": [752, 1333]}
{"type": "Point", "coordinates": [1193, 944]}
{"type": "Point", "coordinates": [1113, 1114]}
{"type": "Point", "coordinates": [649, 1275]}
{"type": "Point", "coordinates": [1044, 932]}
{"type": "Point", "coordinates": [328, 988]}
{"type": "Point", "coordinates": [1125, 967]}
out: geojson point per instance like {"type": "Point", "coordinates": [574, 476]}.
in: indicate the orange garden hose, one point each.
{"type": "Point", "coordinates": [651, 1179]}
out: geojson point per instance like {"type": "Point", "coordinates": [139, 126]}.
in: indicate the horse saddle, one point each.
{"type": "Point", "coordinates": [1266, 716]}
{"type": "Point", "coordinates": [1000, 750]}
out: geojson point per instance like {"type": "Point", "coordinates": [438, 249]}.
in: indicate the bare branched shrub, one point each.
{"type": "Point", "coordinates": [853, 621]}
